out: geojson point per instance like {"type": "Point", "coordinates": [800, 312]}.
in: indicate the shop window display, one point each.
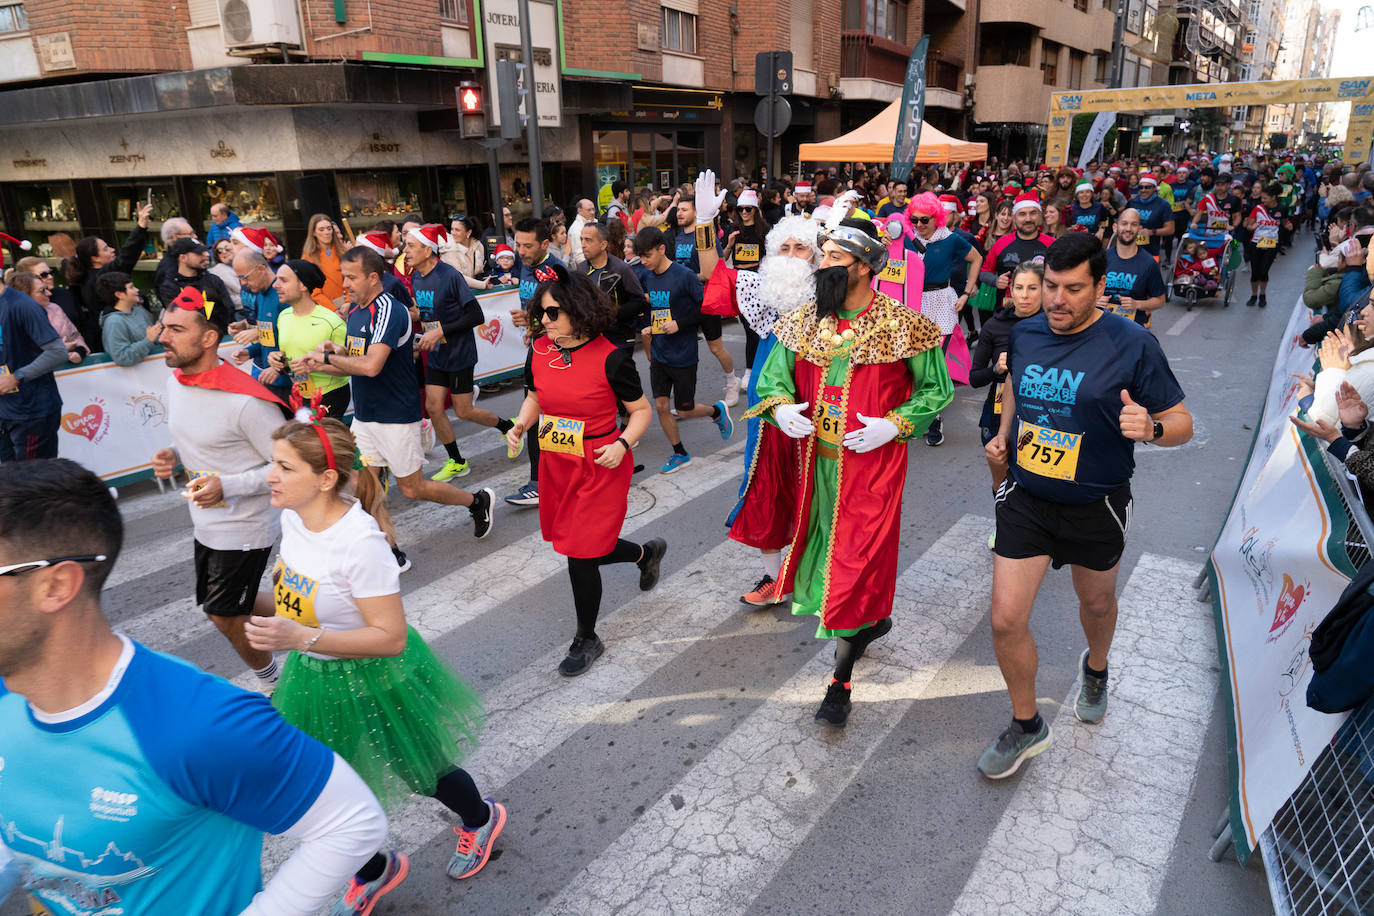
{"type": "Point", "coordinates": [252, 197]}
{"type": "Point", "coordinates": [125, 198]}
{"type": "Point", "coordinates": [49, 212]}
{"type": "Point", "coordinates": [366, 197]}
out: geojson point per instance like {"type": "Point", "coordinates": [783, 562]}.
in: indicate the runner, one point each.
{"type": "Point", "coordinates": [1086, 214]}
{"type": "Point", "coordinates": [617, 280]}
{"type": "Point", "coordinates": [134, 782]}
{"type": "Point", "coordinates": [1156, 214]}
{"type": "Point", "coordinates": [449, 316]}
{"type": "Point", "coordinates": [1263, 223]}
{"type": "Point", "coordinates": [765, 512]}
{"type": "Point", "coordinates": [940, 250]}
{"type": "Point", "coordinates": [386, 398]}
{"type": "Point", "coordinates": [532, 243]}
{"type": "Point", "coordinates": [1084, 386]}
{"type": "Point", "coordinates": [694, 234]}
{"type": "Point", "coordinates": [302, 326]}
{"type": "Point", "coordinates": [994, 345]}
{"type": "Point", "coordinates": [220, 420]}
{"type": "Point", "coordinates": [745, 246]}
{"type": "Point", "coordinates": [675, 309]}
{"type": "Point", "coordinates": [357, 677]}
{"type": "Point", "coordinates": [30, 404]}
{"type": "Point", "coordinates": [574, 378]}
{"type": "Point", "coordinates": [1028, 243]}
{"type": "Point", "coordinates": [1134, 287]}
{"type": "Point", "coordinates": [875, 373]}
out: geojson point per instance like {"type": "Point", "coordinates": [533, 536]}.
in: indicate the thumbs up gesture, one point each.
{"type": "Point", "coordinates": [1136, 422]}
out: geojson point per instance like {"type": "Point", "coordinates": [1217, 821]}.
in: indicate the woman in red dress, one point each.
{"type": "Point", "coordinates": [573, 378]}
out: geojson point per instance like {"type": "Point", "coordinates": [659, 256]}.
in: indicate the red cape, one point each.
{"type": "Point", "coordinates": [225, 377]}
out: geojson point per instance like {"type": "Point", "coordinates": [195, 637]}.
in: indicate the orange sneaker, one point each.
{"type": "Point", "coordinates": [765, 593]}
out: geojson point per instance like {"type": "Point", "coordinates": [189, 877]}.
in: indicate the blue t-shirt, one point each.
{"type": "Point", "coordinates": [155, 802]}
{"type": "Point", "coordinates": [444, 296]}
{"type": "Point", "coordinates": [24, 328]}
{"type": "Point", "coordinates": [1088, 218]}
{"type": "Point", "coordinates": [262, 309]}
{"type": "Point", "coordinates": [1155, 213]}
{"type": "Point", "coordinates": [941, 257]}
{"type": "Point", "coordinates": [392, 395]}
{"type": "Point", "coordinates": [1136, 277]}
{"type": "Point", "coordinates": [1069, 387]}
{"type": "Point", "coordinates": [528, 282]}
{"type": "Point", "coordinates": [679, 291]}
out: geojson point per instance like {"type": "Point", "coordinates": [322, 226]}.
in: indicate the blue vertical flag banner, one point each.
{"type": "Point", "coordinates": [1096, 134]}
{"type": "Point", "coordinates": [911, 115]}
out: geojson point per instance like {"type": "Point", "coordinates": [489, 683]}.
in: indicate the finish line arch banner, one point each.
{"type": "Point", "coordinates": [1278, 567]}
{"type": "Point", "coordinates": [115, 417]}
{"type": "Point", "coordinates": [1359, 91]}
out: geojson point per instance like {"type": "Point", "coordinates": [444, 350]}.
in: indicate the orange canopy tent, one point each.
{"type": "Point", "coordinates": [874, 142]}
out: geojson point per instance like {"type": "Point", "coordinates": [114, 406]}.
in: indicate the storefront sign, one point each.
{"type": "Point", "coordinates": [379, 144]}
{"type": "Point", "coordinates": [222, 151]}
{"type": "Point", "coordinates": [55, 51]}
{"type": "Point", "coordinates": [502, 39]}
{"type": "Point", "coordinates": [29, 162]}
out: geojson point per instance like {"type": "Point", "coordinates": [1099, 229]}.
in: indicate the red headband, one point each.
{"type": "Point", "coordinates": [313, 414]}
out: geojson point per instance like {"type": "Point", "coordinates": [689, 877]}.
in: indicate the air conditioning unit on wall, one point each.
{"type": "Point", "coordinates": [259, 23]}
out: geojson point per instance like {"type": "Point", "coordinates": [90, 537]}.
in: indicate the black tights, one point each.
{"type": "Point", "coordinates": [455, 791]}
{"type": "Point", "coordinates": [846, 653]}
{"type": "Point", "coordinates": [532, 450]}
{"type": "Point", "coordinates": [751, 346]}
{"type": "Point", "coordinates": [585, 573]}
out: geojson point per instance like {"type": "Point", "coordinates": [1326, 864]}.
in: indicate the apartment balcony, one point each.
{"type": "Point", "coordinates": [1060, 21]}
{"type": "Point", "coordinates": [874, 69]}
{"type": "Point", "coordinates": [865, 56]}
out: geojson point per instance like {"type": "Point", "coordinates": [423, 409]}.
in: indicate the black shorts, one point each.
{"type": "Point", "coordinates": [227, 580]}
{"type": "Point", "coordinates": [710, 327]}
{"type": "Point", "coordinates": [459, 382]}
{"type": "Point", "coordinates": [1092, 535]}
{"type": "Point", "coordinates": [679, 383]}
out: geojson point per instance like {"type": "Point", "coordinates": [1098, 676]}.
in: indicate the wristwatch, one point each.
{"type": "Point", "coordinates": [1158, 431]}
{"type": "Point", "coordinates": [327, 354]}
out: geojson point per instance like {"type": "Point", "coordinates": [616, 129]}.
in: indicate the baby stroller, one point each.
{"type": "Point", "coordinates": [1218, 256]}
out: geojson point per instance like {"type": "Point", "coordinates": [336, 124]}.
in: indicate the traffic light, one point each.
{"type": "Point", "coordinates": [510, 94]}
{"type": "Point", "coordinates": [471, 112]}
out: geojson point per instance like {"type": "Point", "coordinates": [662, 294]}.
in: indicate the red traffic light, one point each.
{"type": "Point", "coordinates": [470, 100]}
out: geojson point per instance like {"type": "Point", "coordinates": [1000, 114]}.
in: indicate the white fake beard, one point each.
{"type": "Point", "coordinates": [788, 283]}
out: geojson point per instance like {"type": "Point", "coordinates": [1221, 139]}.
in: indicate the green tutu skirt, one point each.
{"type": "Point", "coordinates": [400, 722]}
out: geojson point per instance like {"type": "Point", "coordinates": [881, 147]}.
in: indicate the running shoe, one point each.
{"type": "Point", "coordinates": [581, 654]}
{"type": "Point", "coordinates": [675, 463]}
{"type": "Point", "coordinates": [450, 470]}
{"type": "Point", "coordinates": [1250, 303]}
{"type": "Point", "coordinates": [732, 385]}
{"type": "Point", "coordinates": [834, 709]}
{"type": "Point", "coordinates": [723, 422]}
{"type": "Point", "coordinates": [1263, 300]}
{"type": "Point", "coordinates": [401, 559]}
{"type": "Point", "coordinates": [1092, 694]}
{"type": "Point", "coordinates": [474, 846]}
{"type": "Point", "coordinates": [483, 512]}
{"type": "Point", "coordinates": [519, 449]}
{"type": "Point", "coordinates": [935, 435]}
{"type": "Point", "coordinates": [765, 593]}
{"type": "Point", "coordinates": [361, 897]}
{"type": "Point", "coordinates": [1011, 749]}
{"type": "Point", "coordinates": [654, 550]}
{"type": "Point", "coordinates": [528, 495]}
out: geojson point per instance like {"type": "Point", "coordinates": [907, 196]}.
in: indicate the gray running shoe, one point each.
{"type": "Point", "coordinates": [1012, 747]}
{"type": "Point", "coordinates": [1092, 694]}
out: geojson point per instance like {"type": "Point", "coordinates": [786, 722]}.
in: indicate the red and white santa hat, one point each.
{"type": "Point", "coordinates": [802, 187]}
{"type": "Point", "coordinates": [433, 235]}
{"type": "Point", "coordinates": [21, 244]}
{"type": "Point", "coordinates": [748, 198]}
{"type": "Point", "coordinates": [379, 242]}
{"type": "Point", "coordinates": [255, 237]}
{"type": "Point", "coordinates": [950, 202]}
{"type": "Point", "coordinates": [503, 251]}
{"type": "Point", "coordinates": [1026, 200]}
{"type": "Point", "coordinates": [1148, 179]}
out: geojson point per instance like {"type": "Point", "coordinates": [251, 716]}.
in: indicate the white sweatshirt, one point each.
{"type": "Point", "coordinates": [1328, 382]}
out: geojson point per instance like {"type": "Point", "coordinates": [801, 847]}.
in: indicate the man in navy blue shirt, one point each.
{"type": "Point", "coordinates": [1083, 387]}
{"type": "Point", "coordinates": [532, 246]}
{"type": "Point", "coordinates": [1134, 287]}
{"type": "Point", "coordinates": [675, 295]}
{"type": "Point", "coordinates": [1156, 216]}
{"type": "Point", "coordinates": [449, 316]}
{"type": "Point", "coordinates": [379, 357]}
{"type": "Point", "coordinates": [30, 407]}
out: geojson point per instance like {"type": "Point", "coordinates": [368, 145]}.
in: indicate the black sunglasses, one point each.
{"type": "Point", "coordinates": [922, 220]}
{"type": "Point", "coordinates": [552, 311]}
{"type": "Point", "coordinates": [45, 275]}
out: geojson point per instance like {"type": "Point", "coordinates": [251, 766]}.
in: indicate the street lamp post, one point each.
{"type": "Point", "coordinates": [532, 113]}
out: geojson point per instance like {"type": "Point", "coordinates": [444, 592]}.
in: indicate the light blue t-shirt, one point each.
{"type": "Point", "coordinates": [154, 802]}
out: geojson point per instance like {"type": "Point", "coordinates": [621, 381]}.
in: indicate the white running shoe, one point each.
{"type": "Point", "coordinates": [732, 384]}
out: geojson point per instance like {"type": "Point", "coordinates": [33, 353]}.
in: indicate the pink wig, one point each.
{"type": "Point", "coordinates": [928, 204]}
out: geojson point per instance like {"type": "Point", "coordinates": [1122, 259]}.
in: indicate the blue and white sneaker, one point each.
{"type": "Point", "coordinates": [360, 898]}
{"type": "Point", "coordinates": [675, 463]}
{"type": "Point", "coordinates": [723, 422]}
{"type": "Point", "coordinates": [474, 846]}
{"type": "Point", "coordinates": [528, 495]}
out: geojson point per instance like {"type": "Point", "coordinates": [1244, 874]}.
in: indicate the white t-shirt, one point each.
{"type": "Point", "coordinates": [323, 572]}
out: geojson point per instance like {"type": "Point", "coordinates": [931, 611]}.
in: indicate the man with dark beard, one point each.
{"type": "Point", "coordinates": [875, 373]}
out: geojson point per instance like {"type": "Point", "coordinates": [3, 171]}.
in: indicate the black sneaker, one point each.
{"type": "Point", "coordinates": [1263, 300]}
{"type": "Point", "coordinates": [581, 654]}
{"type": "Point", "coordinates": [835, 707]}
{"type": "Point", "coordinates": [648, 566]}
{"type": "Point", "coordinates": [401, 559]}
{"type": "Point", "coordinates": [481, 512]}
{"type": "Point", "coordinates": [935, 435]}
{"type": "Point", "coordinates": [1250, 303]}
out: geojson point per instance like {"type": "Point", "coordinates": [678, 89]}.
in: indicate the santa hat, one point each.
{"type": "Point", "coordinates": [1114, 167]}
{"type": "Point", "coordinates": [432, 235]}
{"type": "Point", "coordinates": [973, 205]}
{"type": "Point", "coordinates": [748, 198]}
{"type": "Point", "coordinates": [503, 251]}
{"type": "Point", "coordinates": [1148, 179]}
{"type": "Point", "coordinates": [1026, 201]}
{"type": "Point", "coordinates": [951, 203]}
{"type": "Point", "coordinates": [1183, 170]}
{"type": "Point", "coordinates": [379, 242]}
{"type": "Point", "coordinates": [1084, 186]}
{"type": "Point", "coordinates": [255, 237]}
{"type": "Point", "coordinates": [21, 244]}
{"type": "Point", "coordinates": [802, 187]}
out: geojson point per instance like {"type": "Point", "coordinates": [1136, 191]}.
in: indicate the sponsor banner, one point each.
{"type": "Point", "coordinates": [115, 417]}
{"type": "Point", "coordinates": [911, 116]}
{"type": "Point", "coordinates": [1092, 144]}
{"type": "Point", "coordinates": [1278, 566]}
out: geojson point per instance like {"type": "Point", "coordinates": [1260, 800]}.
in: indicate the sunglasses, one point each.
{"type": "Point", "coordinates": [18, 569]}
{"type": "Point", "coordinates": [45, 275]}
{"type": "Point", "coordinates": [922, 220]}
{"type": "Point", "coordinates": [552, 311]}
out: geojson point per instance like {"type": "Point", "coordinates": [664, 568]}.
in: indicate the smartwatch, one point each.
{"type": "Point", "coordinates": [327, 354]}
{"type": "Point", "coordinates": [1159, 431]}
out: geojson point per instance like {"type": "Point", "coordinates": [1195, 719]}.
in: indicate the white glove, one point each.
{"type": "Point", "coordinates": [791, 421]}
{"type": "Point", "coordinates": [708, 201]}
{"type": "Point", "coordinates": [876, 431]}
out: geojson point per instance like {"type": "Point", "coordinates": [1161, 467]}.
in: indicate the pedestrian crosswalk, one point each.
{"type": "Point", "coordinates": [607, 817]}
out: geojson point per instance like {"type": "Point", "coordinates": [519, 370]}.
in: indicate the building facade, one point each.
{"type": "Point", "coordinates": [1309, 41]}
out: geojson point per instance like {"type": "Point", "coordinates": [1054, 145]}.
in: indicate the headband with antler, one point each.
{"type": "Point", "coordinates": [313, 414]}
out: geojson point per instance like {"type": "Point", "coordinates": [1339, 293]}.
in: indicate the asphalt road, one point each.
{"type": "Point", "coordinates": [684, 773]}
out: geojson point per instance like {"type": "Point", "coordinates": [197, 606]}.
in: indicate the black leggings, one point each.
{"type": "Point", "coordinates": [1261, 259]}
{"type": "Point", "coordinates": [585, 573]}
{"type": "Point", "coordinates": [751, 346]}
{"type": "Point", "coordinates": [455, 791]}
{"type": "Point", "coordinates": [532, 450]}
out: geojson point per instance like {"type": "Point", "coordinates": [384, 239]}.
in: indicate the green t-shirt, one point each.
{"type": "Point", "coordinates": [297, 336]}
